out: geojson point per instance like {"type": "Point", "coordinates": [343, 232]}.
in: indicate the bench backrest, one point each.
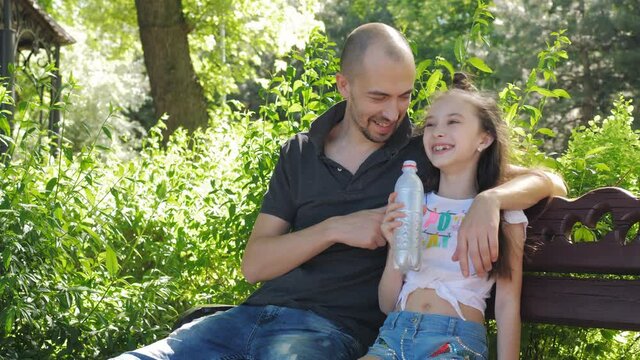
{"type": "Point", "coordinates": [560, 285]}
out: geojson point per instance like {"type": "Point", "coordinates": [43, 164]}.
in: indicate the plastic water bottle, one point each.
{"type": "Point", "coordinates": [407, 237]}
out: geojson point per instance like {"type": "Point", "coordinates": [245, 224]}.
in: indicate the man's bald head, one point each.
{"type": "Point", "coordinates": [385, 38]}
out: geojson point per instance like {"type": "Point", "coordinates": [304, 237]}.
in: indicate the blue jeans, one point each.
{"type": "Point", "coordinates": [410, 335]}
{"type": "Point", "coordinates": [254, 332]}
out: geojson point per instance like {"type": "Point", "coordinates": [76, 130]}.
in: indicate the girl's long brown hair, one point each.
{"type": "Point", "coordinates": [493, 160]}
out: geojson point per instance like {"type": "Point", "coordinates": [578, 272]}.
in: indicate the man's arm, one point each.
{"type": "Point", "coordinates": [555, 182]}
{"type": "Point", "coordinates": [478, 233]}
{"type": "Point", "coordinates": [273, 251]}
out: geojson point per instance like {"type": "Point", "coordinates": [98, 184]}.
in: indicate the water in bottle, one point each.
{"type": "Point", "coordinates": [407, 237]}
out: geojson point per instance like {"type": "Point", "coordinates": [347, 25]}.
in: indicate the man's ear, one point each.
{"type": "Point", "coordinates": [342, 83]}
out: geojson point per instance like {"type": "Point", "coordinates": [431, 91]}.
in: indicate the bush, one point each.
{"type": "Point", "coordinates": [605, 153]}
{"type": "Point", "coordinates": [100, 255]}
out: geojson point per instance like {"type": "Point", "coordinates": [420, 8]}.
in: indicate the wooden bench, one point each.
{"type": "Point", "coordinates": [569, 283]}
{"type": "Point", "coordinates": [580, 284]}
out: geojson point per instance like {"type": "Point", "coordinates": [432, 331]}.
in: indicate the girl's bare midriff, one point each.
{"type": "Point", "coordinates": [427, 301]}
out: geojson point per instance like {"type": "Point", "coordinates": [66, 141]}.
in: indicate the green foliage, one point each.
{"type": "Point", "coordinates": [91, 244]}
{"type": "Point", "coordinates": [104, 88]}
{"type": "Point", "coordinates": [110, 24]}
{"type": "Point", "coordinates": [100, 255]}
{"type": "Point", "coordinates": [293, 98]}
{"type": "Point", "coordinates": [604, 36]}
{"type": "Point", "coordinates": [523, 106]}
{"type": "Point", "coordinates": [434, 75]}
{"type": "Point", "coordinates": [234, 41]}
{"type": "Point", "coordinates": [436, 27]}
{"type": "Point", "coordinates": [563, 342]}
{"type": "Point", "coordinates": [604, 153]}
{"type": "Point", "coordinates": [480, 26]}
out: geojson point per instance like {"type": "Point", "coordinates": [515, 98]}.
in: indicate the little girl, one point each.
{"type": "Point", "coordinates": [436, 312]}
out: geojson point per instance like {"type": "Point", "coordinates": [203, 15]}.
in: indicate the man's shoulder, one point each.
{"type": "Point", "coordinates": [297, 142]}
{"type": "Point", "coordinates": [415, 145]}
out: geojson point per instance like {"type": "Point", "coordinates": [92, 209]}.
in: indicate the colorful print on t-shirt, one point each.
{"type": "Point", "coordinates": [438, 227]}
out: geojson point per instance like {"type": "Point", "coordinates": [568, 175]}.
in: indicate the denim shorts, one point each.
{"type": "Point", "coordinates": [254, 333]}
{"type": "Point", "coordinates": [410, 335]}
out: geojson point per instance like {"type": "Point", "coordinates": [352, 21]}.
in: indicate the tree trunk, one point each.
{"type": "Point", "coordinates": [589, 97]}
{"type": "Point", "coordinates": [174, 86]}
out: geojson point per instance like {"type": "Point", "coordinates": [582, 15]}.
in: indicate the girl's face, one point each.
{"type": "Point", "coordinates": [453, 137]}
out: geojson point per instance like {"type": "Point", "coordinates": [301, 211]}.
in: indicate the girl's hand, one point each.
{"type": "Point", "coordinates": [392, 214]}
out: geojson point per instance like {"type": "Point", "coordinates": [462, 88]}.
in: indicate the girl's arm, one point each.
{"type": "Point", "coordinates": [507, 308]}
{"type": "Point", "coordinates": [478, 233]}
{"type": "Point", "coordinates": [392, 278]}
{"type": "Point", "coordinates": [390, 285]}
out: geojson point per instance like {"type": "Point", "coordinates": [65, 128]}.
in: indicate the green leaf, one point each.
{"type": "Point", "coordinates": [86, 163]}
{"type": "Point", "coordinates": [549, 162]}
{"type": "Point", "coordinates": [602, 167]}
{"type": "Point", "coordinates": [294, 108]}
{"type": "Point", "coordinates": [92, 233]}
{"type": "Point", "coordinates": [51, 184]}
{"type": "Point", "coordinates": [111, 261]}
{"type": "Point", "coordinates": [161, 189]}
{"type": "Point", "coordinates": [561, 93]}
{"type": "Point", "coordinates": [107, 132]}
{"type": "Point", "coordinates": [57, 212]}
{"type": "Point", "coordinates": [534, 111]}
{"type": "Point", "coordinates": [433, 81]}
{"type": "Point", "coordinates": [6, 258]}
{"type": "Point", "coordinates": [442, 62]}
{"type": "Point", "coordinates": [511, 114]}
{"type": "Point", "coordinates": [531, 80]}
{"type": "Point", "coordinates": [583, 233]}
{"type": "Point", "coordinates": [4, 126]}
{"type": "Point", "coordinates": [520, 131]}
{"type": "Point", "coordinates": [595, 151]}
{"type": "Point", "coordinates": [9, 319]}
{"type": "Point", "coordinates": [479, 64]}
{"type": "Point", "coordinates": [291, 72]}
{"type": "Point", "coordinates": [458, 49]}
{"type": "Point", "coordinates": [68, 153]}
{"type": "Point", "coordinates": [547, 131]}
{"type": "Point", "coordinates": [422, 66]}
{"type": "Point", "coordinates": [543, 91]}
{"type": "Point", "coordinates": [297, 84]}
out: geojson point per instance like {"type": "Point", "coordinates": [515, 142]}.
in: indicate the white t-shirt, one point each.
{"type": "Point", "coordinates": [439, 233]}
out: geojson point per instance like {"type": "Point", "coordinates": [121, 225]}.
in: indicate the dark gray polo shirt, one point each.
{"type": "Point", "coordinates": [306, 188]}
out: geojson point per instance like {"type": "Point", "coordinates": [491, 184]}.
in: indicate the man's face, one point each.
{"type": "Point", "coordinates": [378, 94]}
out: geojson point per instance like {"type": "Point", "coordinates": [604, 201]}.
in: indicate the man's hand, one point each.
{"type": "Point", "coordinates": [360, 229]}
{"type": "Point", "coordinates": [478, 235]}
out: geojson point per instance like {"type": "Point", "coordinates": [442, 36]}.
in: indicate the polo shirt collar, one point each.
{"type": "Point", "coordinates": [322, 126]}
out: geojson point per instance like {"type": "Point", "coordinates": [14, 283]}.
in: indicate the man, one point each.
{"type": "Point", "coordinates": [317, 244]}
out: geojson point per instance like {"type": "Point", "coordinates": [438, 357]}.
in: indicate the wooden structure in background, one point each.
{"type": "Point", "coordinates": [25, 31]}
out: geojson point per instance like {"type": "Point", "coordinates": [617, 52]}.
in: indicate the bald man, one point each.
{"type": "Point", "coordinates": [316, 246]}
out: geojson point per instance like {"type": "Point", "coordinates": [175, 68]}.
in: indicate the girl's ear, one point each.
{"type": "Point", "coordinates": [486, 141]}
